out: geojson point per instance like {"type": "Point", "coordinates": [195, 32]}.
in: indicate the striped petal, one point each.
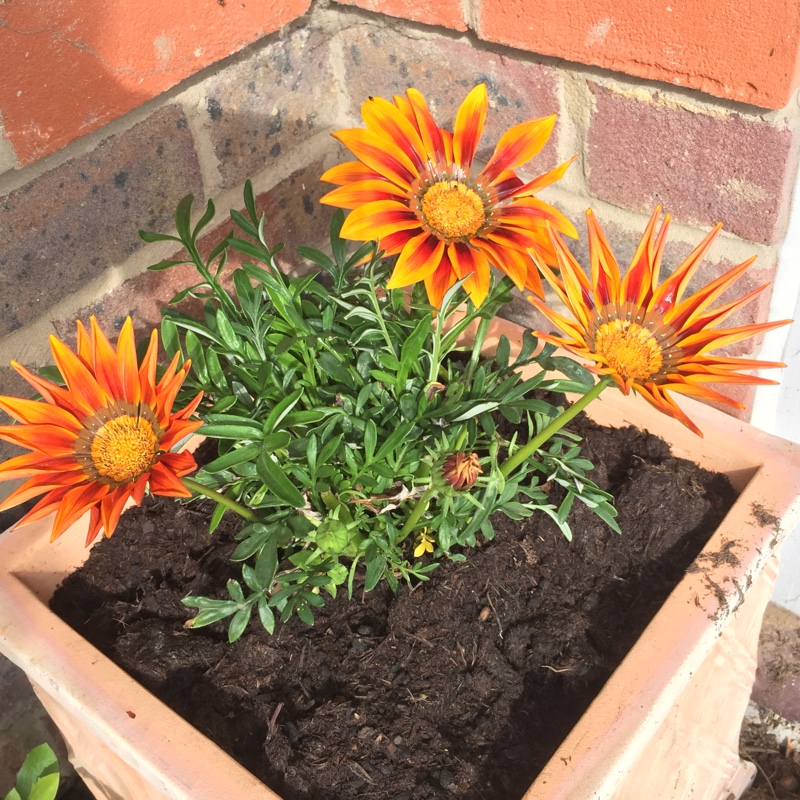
{"type": "Point", "coordinates": [349, 172]}
{"type": "Point", "coordinates": [379, 154]}
{"type": "Point", "coordinates": [518, 145]}
{"type": "Point", "coordinates": [469, 126]}
{"type": "Point", "coordinates": [360, 192]}
{"type": "Point", "coordinates": [378, 219]}
{"type": "Point", "coordinates": [387, 120]}
{"type": "Point", "coordinates": [418, 260]}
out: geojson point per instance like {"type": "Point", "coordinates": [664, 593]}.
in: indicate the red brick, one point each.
{"type": "Point", "coordinates": [61, 230]}
{"type": "Point", "coordinates": [742, 51]}
{"type": "Point", "coordinates": [74, 65]}
{"type": "Point", "coordinates": [260, 109]}
{"type": "Point", "coordinates": [702, 167]}
{"type": "Point", "coordinates": [383, 62]}
{"type": "Point", "coordinates": [447, 13]}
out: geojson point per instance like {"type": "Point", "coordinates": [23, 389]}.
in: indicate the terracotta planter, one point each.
{"type": "Point", "coordinates": [666, 725]}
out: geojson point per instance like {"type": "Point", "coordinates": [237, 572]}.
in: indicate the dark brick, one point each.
{"type": "Point", "coordinates": [261, 108]}
{"type": "Point", "coordinates": [642, 150]}
{"type": "Point", "coordinates": [293, 217]}
{"type": "Point", "coordinates": [60, 231]}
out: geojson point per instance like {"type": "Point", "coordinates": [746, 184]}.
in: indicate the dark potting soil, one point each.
{"type": "Point", "coordinates": [461, 687]}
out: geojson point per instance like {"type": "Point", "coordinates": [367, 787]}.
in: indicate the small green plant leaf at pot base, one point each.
{"type": "Point", "coordinates": [38, 777]}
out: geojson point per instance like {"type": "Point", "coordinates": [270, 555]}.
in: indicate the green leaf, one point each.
{"type": "Point", "coordinates": [250, 199]}
{"type": "Point", "coordinates": [235, 591]}
{"type": "Point", "coordinates": [183, 218]}
{"type": "Point", "coordinates": [233, 457]}
{"type": "Point", "coordinates": [338, 245]}
{"type": "Point", "coordinates": [370, 440]}
{"type": "Point", "coordinates": [267, 563]}
{"type": "Point", "coordinates": [502, 352]}
{"type": "Point", "coordinates": [226, 331]}
{"type": "Point", "coordinates": [195, 352]}
{"type": "Point", "coordinates": [204, 220]}
{"type": "Point", "coordinates": [572, 369]}
{"type": "Point", "coordinates": [41, 761]}
{"type": "Point", "coordinates": [216, 517]}
{"type": "Point", "coordinates": [249, 249]}
{"type": "Point", "coordinates": [265, 615]}
{"type": "Point", "coordinates": [46, 788]}
{"type": "Point", "coordinates": [409, 353]}
{"type": "Point", "coordinates": [376, 566]}
{"type": "Point", "coordinates": [166, 265]}
{"type": "Point", "coordinates": [237, 625]}
{"type": "Point", "coordinates": [210, 614]}
{"type": "Point", "coordinates": [398, 435]}
{"type": "Point", "coordinates": [277, 483]}
{"type": "Point", "coordinates": [281, 410]}
{"type": "Point", "coordinates": [232, 430]}
{"type": "Point", "coordinates": [478, 408]}
{"type": "Point", "coordinates": [152, 236]}
{"type": "Point", "coordinates": [304, 612]}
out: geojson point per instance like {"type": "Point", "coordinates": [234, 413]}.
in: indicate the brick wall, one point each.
{"type": "Point", "coordinates": [103, 134]}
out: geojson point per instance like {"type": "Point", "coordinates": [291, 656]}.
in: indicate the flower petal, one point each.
{"type": "Point", "coordinates": [518, 145]}
{"type": "Point", "coordinates": [360, 192]}
{"type": "Point", "coordinates": [380, 154]}
{"type": "Point", "coordinates": [430, 133]}
{"type": "Point", "coordinates": [378, 219]}
{"type": "Point", "coordinates": [349, 172]}
{"type": "Point", "coordinates": [388, 121]}
{"type": "Point", "coordinates": [469, 126]}
{"type": "Point", "coordinates": [418, 260]}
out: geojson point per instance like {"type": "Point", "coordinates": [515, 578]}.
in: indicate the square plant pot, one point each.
{"type": "Point", "coordinates": [665, 726]}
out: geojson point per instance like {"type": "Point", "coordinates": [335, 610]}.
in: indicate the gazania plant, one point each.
{"type": "Point", "coordinates": [358, 430]}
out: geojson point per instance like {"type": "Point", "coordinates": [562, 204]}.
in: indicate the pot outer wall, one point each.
{"type": "Point", "coordinates": [666, 725]}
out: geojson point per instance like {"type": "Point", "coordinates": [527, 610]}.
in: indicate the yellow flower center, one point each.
{"type": "Point", "coordinates": [629, 349]}
{"type": "Point", "coordinates": [453, 210]}
{"type": "Point", "coordinates": [124, 448]}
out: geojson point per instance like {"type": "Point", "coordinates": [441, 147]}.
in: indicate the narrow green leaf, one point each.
{"type": "Point", "coordinates": [208, 215]}
{"type": "Point", "coordinates": [237, 625]}
{"type": "Point", "coordinates": [398, 435]}
{"type": "Point", "coordinates": [153, 236]}
{"type": "Point", "coordinates": [226, 331]}
{"type": "Point", "coordinates": [233, 457]}
{"type": "Point", "coordinates": [277, 414]}
{"type": "Point", "coordinates": [267, 563]}
{"type": "Point", "coordinates": [183, 218]}
{"type": "Point", "coordinates": [46, 788]}
{"type": "Point", "coordinates": [376, 566]}
{"type": "Point", "coordinates": [277, 483]}
{"type": "Point", "coordinates": [161, 265]}
{"type": "Point", "coordinates": [370, 440]}
{"type": "Point", "coordinates": [266, 615]}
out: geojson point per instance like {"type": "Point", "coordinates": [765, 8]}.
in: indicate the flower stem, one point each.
{"type": "Point", "coordinates": [416, 512]}
{"type": "Point", "coordinates": [198, 488]}
{"type": "Point", "coordinates": [530, 447]}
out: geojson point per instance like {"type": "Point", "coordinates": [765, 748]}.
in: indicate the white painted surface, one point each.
{"type": "Point", "coordinates": [776, 409]}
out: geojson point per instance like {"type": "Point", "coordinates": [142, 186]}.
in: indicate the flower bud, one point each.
{"type": "Point", "coordinates": [461, 470]}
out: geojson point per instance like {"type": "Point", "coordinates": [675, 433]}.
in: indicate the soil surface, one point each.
{"type": "Point", "coordinates": [461, 687]}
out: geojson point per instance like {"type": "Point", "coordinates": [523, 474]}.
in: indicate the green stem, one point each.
{"type": "Point", "coordinates": [529, 448]}
{"type": "Point", "coordinates": [419, 509]}
{"type": "Point", "coordinates": [198, 488]}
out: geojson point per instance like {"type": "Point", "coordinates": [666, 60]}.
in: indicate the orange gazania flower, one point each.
{"type": "Point", "coordinates": [645, 336]}
{"type": "Point", "coordinates": [103, 438]}
{"type": "Point", "coordinates": [461, 470]}
{"type": "Point", "coordinates": [413, 189]}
